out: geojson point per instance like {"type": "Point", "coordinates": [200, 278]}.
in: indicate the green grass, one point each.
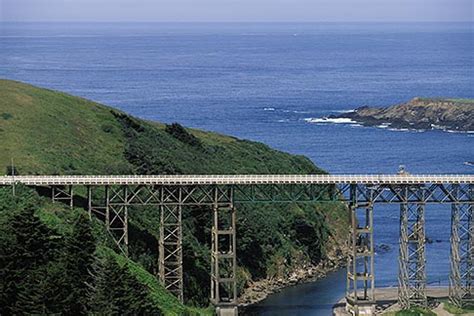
{"type": "Point", "coordinates": [168, 303]}
{"type": "Point", "coordinates": [440, 99]}
{"type": "Point", "coordinates": [457, 310]}
{"type": "Point", "coordinates": [462, 100]}
{"type": "Point", "coordinates": [422, 312]}
{"type": "Point", "coordinates": [49, 132]}
{"type": "Point", "coordinates": [60, 218]}
{"type": "Point", "coordinates": [415, 311]}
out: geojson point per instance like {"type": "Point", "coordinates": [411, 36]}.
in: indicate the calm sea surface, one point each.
{"type": "Point", "coordinates": [261, 81]}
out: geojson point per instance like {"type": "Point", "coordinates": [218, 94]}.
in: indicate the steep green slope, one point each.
{"type": "Point", "coordinates": [38, 243]}
{"type": "Point", "coordinates": [48, 132]}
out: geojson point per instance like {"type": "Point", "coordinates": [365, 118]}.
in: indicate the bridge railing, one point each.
{"type": "Point", "coordinates": [238, 179]}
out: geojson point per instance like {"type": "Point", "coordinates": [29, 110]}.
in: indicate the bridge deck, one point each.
{"type": "Point", "coordinates": [237, 179]}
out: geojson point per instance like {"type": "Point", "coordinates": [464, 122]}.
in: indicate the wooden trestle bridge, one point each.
{"type": "Point", "coordinates": [223, 192]}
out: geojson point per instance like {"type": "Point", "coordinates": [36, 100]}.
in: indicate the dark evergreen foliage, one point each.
{"type": "Point", "coordinates": [180, 133]}
{"type": "Point", "coordinates": [142, 148]}
{"type": "Point", "coordinates": [270, 239]}
{"type": "Point", "coordinates": [26, 246]}
{"type": "Point", "coordinates": [77, 260]}
{"type": "Point", "coordinates": [268, 236]}
{"type": "Point", "coordinates": [12, 171]}
{"type": "Point", "coordinates": [44, 272]}
{"type": "Point", "coordinates": [130, 124]}
{"type": "Point", "coordinates": [117, 292]}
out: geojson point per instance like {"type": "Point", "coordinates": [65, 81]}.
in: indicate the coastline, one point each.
{"type": "Point", "coordinates": [390, 126]}
{"type": "Point", "coordinates": [259, 290]}
{"type": "Point", "coordinates": [450, 115]}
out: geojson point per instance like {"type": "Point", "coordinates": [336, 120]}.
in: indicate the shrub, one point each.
{"type": "Point", "coordinates": [6, 116]}
{"type": "Point", "coordinates": [181, 134]}
{"type": "Point", "coordinates": [107, 128]}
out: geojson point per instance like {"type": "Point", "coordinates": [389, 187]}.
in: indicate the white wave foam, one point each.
{"type": "Point", "coordinates": [409, 130]}
{"type": "Point", "coordinates": [458, 132]}
{"type": "Point", "coordinates": [330, 120]}
{"type": "Point", "coordinates": [269, 109]}
{"type": "Point", "coordinates": [295, 111]}
{"type": "Point", "coordinates": [344, 111]}
{"type": "Point", "coordinates": [399, 129]}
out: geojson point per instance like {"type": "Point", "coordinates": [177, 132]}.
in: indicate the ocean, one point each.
{"type": "Point", "coordinates": [265, 82]}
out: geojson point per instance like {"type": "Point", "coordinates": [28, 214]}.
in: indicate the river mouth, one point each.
{"type": "Point", "coordinates": [313, 298]}
{"type": "Point", "coordinates": [319, 297]}
{"type": "Point", "coordinates": [199, 83]}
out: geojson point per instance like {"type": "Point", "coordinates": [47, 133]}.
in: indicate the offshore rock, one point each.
{"type": "Point", "coordinates": [419, 114]}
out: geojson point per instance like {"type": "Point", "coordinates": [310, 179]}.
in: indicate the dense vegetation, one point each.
{"type": "Point", "coordinates": [55, 260]}
{"type": "Point", "coordinates": [48, 132]}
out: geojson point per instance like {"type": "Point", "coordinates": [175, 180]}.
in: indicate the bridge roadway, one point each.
{"type": "Point", "coordinates": [112, 197]}
{"type": "Point", "coordinates": [238, 179]}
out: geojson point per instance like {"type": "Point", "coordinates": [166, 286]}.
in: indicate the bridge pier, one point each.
{"type": "Point", "coordinates": [97, 206]}
{"type": "Point", "coordinates": [172, 193]}
{"type": "Point", "coordinates": [224, 259]}
{"type": "Point", "coordinates": [116, 216]}
{"type": "Point", "coordinates": [171, 245]}
{"type": "Point", "coordinates": [360, 286]}
{"type": "Point", "coordinates": [412, 272]}
{"type": "Point", "coordinates": [63, 194]}
{"type": "Point", "coordinates": [461, 280]}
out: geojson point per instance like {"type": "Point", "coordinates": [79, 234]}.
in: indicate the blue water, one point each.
{"type": "Point", "coordinates": [261, 81]}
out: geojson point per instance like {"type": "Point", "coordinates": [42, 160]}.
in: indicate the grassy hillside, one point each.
{"type": "Point", "coordinates": [48, 132]}
{"type": "Point", "coordinates": [57, 225]}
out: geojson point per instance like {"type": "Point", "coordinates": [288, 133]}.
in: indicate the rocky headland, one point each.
{"type": "Point", "coordinates": [418, 114]}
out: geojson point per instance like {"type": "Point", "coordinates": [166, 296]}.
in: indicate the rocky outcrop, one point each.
{"type": "Point", "coordinates": [308, 272]}
{"type": "Point", "coordinates": [419, 114]}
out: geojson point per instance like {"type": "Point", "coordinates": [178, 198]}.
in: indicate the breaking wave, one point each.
{"type": "Point", "coordinates": [326, 120]}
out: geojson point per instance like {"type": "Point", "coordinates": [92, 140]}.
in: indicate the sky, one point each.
{"type": "Point", "coordinates": [237, 10]}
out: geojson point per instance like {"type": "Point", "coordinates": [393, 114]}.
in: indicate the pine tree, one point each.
{"type": "Point", "coordinates": [116, 292]}
{"type": "Point", "coordinates": [100, 296]}
{"type": "Point", "coordinates": [33, 293]}
{"type": "Point", "coordinates": [77, 259]}
{"type": "Point", "coordinates": [135, 300]}
{"type": "Point", "coordinates": [30, 247]}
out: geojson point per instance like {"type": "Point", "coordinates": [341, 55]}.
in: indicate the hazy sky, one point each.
{"type": "Point", "coordinates": [236, 10]}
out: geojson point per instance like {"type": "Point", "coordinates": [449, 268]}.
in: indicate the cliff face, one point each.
{"type": "Point", "coordinates": [420, 113]}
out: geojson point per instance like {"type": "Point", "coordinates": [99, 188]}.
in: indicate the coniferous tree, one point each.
{"type": "Point", "coordinates": [116, 292]}
{"type": "Point", "coordinates": [44, 272]}
{"type": "Point", "coordinates": [44, 290]}
{"type": "Point", "coordinates": [29, 246]}
{"type": "Point", "coordinates": [29, 296]}
{"type": "Point", "coordinates": [135, 300]}
{"type": "Point", "coordinates": [77, 259]}
{"type": "Point", "coordinates": [99, 295]}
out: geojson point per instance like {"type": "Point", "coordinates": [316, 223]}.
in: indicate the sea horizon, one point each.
{"type": "Point", "coordinates": [265, 82]}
